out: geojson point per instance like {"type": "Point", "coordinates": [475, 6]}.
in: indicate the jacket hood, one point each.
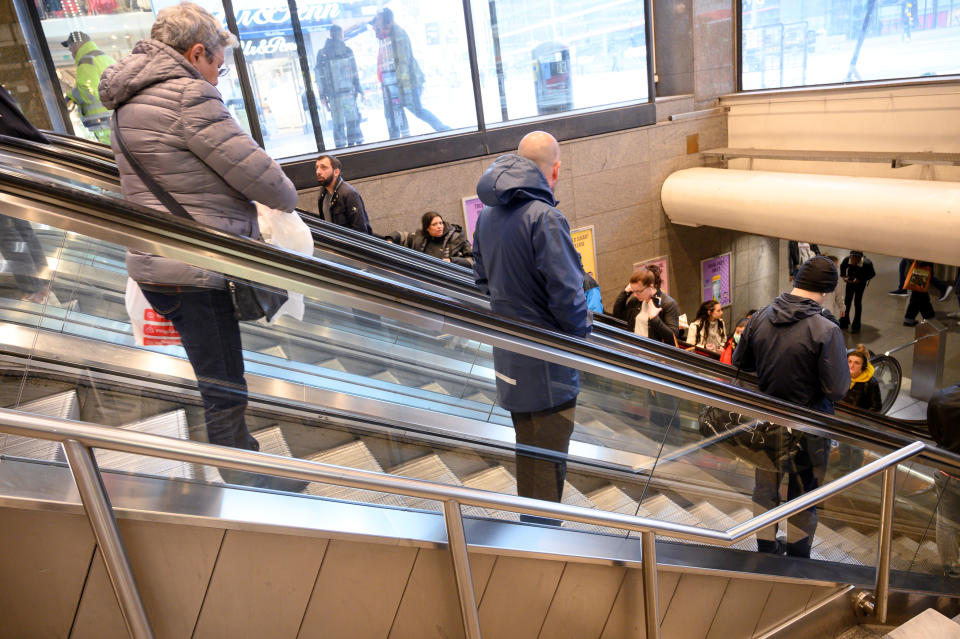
{"type": "Point", "coordinates": [790, 309]}
{"type": "Point", "coordinates": [150, 62]}
{"type": "Point", "coordinates": [513, 179]}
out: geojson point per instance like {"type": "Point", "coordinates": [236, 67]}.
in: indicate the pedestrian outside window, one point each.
{"type": "Point", "coordinates": [788, 43]}
{"type": "Point", "coordinates": [378, 72]}
{"type": "Point", "coordinates": [539, 57]}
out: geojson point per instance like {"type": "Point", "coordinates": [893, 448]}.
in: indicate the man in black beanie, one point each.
{"type": "Point", "coordinates": [797, 350]}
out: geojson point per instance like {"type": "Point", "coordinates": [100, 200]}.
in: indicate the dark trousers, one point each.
{"type": "Point", "coordinates": [919, 303]}
{"type": "Point", "coordinates": [211, 337]}
{"type": "Point", "coordinates": [346, 120]}
{"type": "Point", "coordinates": [853, 300]}
{"type": "Point", "coordinates": [395, 100]}
{"type": "Point", "coordinates": [543, 439]}
{"type": "Point", "coordinates": [23, 253]}
{"type": "Point", "coordinates": [804, 467]}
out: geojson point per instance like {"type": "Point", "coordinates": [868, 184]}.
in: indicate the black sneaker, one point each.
{"type": "Point", "coordinates": [910, 322]}
{"type": "Point", "coordinates": [899, 292]}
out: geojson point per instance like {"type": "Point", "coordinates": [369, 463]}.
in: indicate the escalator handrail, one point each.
{"type": "Point", "coordinates": [100, 216]}
{"type": "Point", "coordinates": [95, 436]}
{"type": "Point", "coordinates": [418, 265]}
{"type": "Point", "coordinates": [79, 144]}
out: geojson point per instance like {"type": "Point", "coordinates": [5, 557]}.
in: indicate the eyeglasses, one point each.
{"type": "Point", "coordinates": [222, 71]}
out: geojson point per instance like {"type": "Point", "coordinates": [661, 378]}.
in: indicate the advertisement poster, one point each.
{"type": "Point", "coordinates": [664, 271]}
{"type": "Point", "coordinates": [715, 279]}
{"type": "Point", "coordinates": [583, 241]}
{"type": "Point", "coordinates": [471, 211]}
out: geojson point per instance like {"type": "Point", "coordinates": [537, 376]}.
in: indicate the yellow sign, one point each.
{"type": "Point", "coordinates": [583, 241]}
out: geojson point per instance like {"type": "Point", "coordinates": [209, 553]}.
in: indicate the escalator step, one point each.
{"type": "Point", "coordinates": [354, 454]}
{"type": "Point", "coordinates": [613, 499]}
{"type": "Point", "coordinates": [272, 441]}
{"type": "Point", "coordinates": [172, 424]}
{"type": "Point", "coordinates": [496, 479]}
{"type": "Point", "coordinates": [63, 405]}
{"type": "Point", "coordinates": [712, 517]}
{"type": "Point", "coordinates": [386, 376]}
{"type": "Point", "coordinates": [332, 364]}
{"type": "Point", "coordinates": [435, 387]}
{"type": "Point", "coordinates": [431, 468]}
{"type": "Point", "coordinates": [663, 508]}
{"type": "Point", "coordinates": [275, 351]}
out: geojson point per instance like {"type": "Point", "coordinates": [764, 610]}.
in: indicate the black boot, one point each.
{"type": "Point", "coordinates": [799, 548]}
{"type": "Point", "coordinates": [771, 546]}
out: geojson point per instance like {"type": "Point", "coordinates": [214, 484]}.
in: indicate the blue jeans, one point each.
{"type": "Point", "coordinates": [211, 337]}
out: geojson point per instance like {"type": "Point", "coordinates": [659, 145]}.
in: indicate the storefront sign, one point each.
{"type": "Point", "coordinates": [664, 270]}
{"type": "Point", "coordinates": [265, 46]}
{"type": "Point", "coordinates": [583, 241]}
{"type": "Point", "coordinates": [715, 279]}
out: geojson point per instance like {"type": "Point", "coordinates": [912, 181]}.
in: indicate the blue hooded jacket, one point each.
{"type": "Point", "coordinates": [525, 260]}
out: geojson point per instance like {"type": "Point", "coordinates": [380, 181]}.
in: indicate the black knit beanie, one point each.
{"type": "Point", "coordinates": [818, 274]}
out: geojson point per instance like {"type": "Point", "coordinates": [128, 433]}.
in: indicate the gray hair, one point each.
{"type": "Point", "coordinates": [183, 25]}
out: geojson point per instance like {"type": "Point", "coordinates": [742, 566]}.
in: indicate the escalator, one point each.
{"type": "Point", "coordinates": [385, 374]}
{"type": "Point", "coordinates": [70, 157]}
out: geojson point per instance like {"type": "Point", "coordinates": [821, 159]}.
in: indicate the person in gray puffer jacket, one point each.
{"type": "Point", "coordinates": [174, 121]}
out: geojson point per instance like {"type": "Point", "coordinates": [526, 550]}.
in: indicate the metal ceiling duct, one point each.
{"type": "Point", "coordinates": [906, 218]}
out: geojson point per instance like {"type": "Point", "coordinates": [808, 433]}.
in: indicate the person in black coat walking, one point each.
{"type": "Point", "coordinates": [799, 355]}
{"type": "Point", "coordinates": [857, 271]}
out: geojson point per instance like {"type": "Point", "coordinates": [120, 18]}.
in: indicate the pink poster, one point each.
{"type": "Point", "coordinates": [664, 271]}
{"type": "Point", "coordinates": [471, 211]}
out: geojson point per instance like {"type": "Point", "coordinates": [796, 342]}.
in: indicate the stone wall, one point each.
{"type": "Point", "coordinates": [611, 182]}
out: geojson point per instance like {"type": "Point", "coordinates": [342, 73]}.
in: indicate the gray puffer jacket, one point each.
{"type": "Point", "coordinates": [184, 136]}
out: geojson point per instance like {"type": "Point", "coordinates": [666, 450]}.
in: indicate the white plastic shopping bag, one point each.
{"type": "Point", "coordinates": [288, 231]}
{"type": "Point", "coordinates": [150, 328]}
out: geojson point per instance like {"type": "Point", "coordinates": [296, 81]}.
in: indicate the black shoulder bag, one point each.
{"type": "Point", "coordinates": [250, 301]}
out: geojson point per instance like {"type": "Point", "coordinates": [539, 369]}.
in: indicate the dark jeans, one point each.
{"type": "Point", "coordinates": [853, 300]}
{"type": "Point", "coordinates": [543, 438]}
{"type": "Point", "coordinates": [805, 469]}
{"type": "Point", "coordinates": [919, 302]}
{"type": "Point", "coordinates": [24, 254]}
{"type": "Point", "coordinates": [211, 337]}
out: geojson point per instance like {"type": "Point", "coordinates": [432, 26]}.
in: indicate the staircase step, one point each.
{"type": "Point", "coordinates": [172, 424]}
{"type": "Point", "coordinates": [712, 517]}
{"type": "Point", "coordinates": [496, 479]}
{"type": "Point", "coordinates": [62, 405]}
{"type": "Point", "coordinates": [663, 508]}
{"type": "Point", "coordinates": [354, 454]}
{"type": "Point", "coordinates": [431, 468]}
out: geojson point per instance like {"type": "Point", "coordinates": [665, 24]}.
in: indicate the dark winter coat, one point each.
{"type": "Point", "coordinates": [346, 207]}
{"type": "Point", "coordinates": [525, 260]}
{"type": "Point", "coordinates": [797, 352]}
{"type": "Point", "coordinates": [943, 417]}
{"type": "Point", "coordinates": [186, 139]}
{"type": "Point", "coordinates": [857, 275]}
{"type": "Point", "coordinates": [663, 328]}
{"type": "Point", "coordinates": [865, 395]}
{"type": "Point", "coordinates": [14, 123]}
{"type": "Point", "coordinates": [452, 244]}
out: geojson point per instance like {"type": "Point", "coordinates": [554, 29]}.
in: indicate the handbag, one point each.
{"type": "Point", "coordinates": [250, 301]}
{"type": "Point", "coordinates": [918, 277]}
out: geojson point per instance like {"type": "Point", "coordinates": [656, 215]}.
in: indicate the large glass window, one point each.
{"type": "Point", "coordinates": [538, 57]}
{"type": "Point", "coordinates": [379, 72]}
{"type": "Point", "coordinates": [805, 42]}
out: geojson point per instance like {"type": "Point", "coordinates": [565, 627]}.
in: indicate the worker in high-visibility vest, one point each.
{"type": "Point", "coordinates": [91, 62]}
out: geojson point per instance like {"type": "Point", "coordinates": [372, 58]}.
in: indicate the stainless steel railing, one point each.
{"type": "Point", "coordinates": [78, 438]}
